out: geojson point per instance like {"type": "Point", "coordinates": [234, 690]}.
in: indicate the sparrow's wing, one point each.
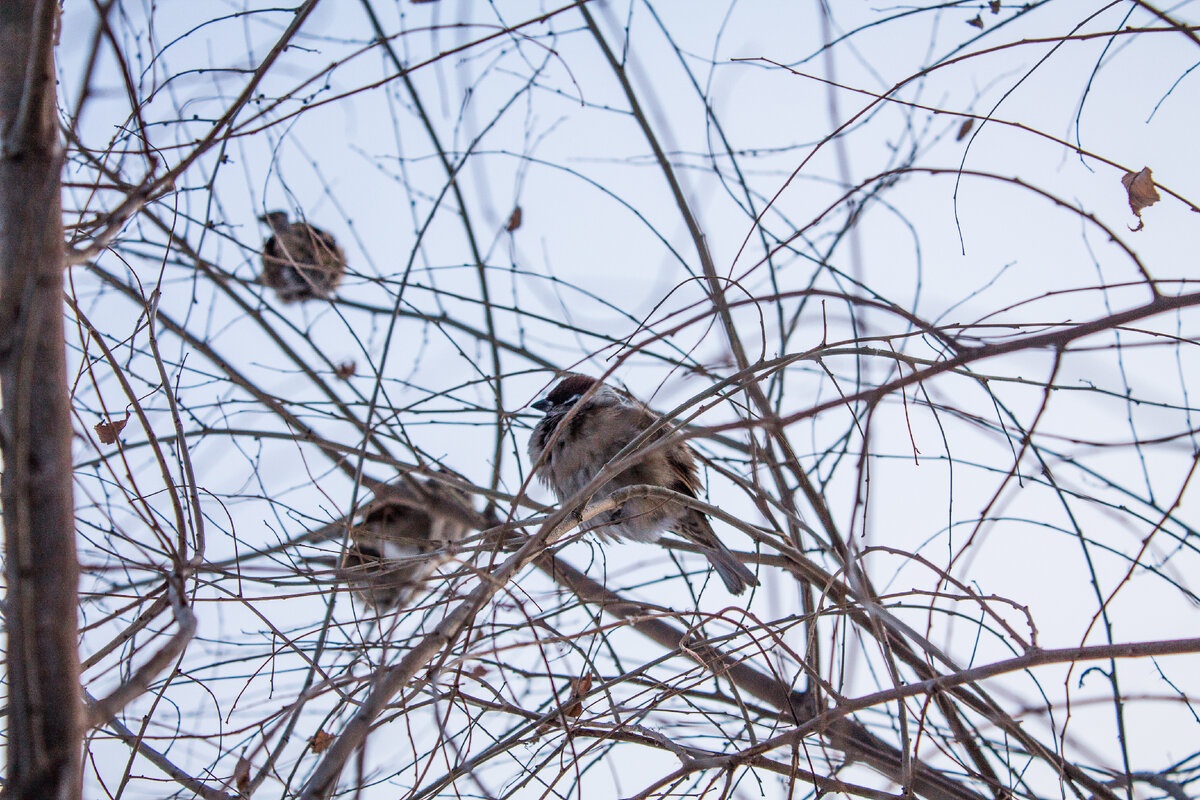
{"type": "Point", "coordinates": [282, 255]}
{"type": "Point", "coordinates": [386, 559]}
{"type": "Point", "coordinates": [620, 425]}
{"type": "Point", "coordinates": [683, 466]}
{"type": "Point", "coordinates": [295, 244]}
{"type": "Point", "coordinates": [325, 249]}
{"type": "Point", "coordinates": [677, 460]}
{"type": "Point", "coordinates": [302, 262]}
{"type": "Point", "coordinates": [694, 525]}
{"type": "Point", "coordinates": [447, 508]}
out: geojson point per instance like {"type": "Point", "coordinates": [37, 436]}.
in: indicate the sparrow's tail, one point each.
{"type": "Point", "coordinates": [733, 573]}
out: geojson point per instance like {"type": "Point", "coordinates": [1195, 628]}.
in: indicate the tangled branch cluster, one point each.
{"type": "Point", "coordinates": [940, 392]}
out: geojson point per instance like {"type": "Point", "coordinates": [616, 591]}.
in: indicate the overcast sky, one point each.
{"type": "Point", "coordinates": [1029, 234]}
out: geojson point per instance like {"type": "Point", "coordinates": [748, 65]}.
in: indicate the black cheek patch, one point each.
{"type": "Point", "coordinates": [575, 428]}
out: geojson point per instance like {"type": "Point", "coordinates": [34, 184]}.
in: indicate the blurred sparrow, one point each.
{"type": "Point", "coordinates": [567, 457]}
{"type": "Point", "coordinates": [300, 261]}
{"type": "Point", "coordinates": [406, 533]}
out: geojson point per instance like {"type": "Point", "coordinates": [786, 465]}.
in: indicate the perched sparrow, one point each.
{"type": "Point", "coordinates": [300, 261]}
{"type": "Point", "coordinates": [393, 549]}
{"type": "Point", "coordinates": [600, 427]}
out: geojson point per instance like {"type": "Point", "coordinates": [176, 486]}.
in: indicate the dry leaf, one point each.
{"type": "Point", "coordinates": [968, 123]}
{"type": "Point", "coordinates": [514, 220]}
{"type": "Point", "coordinates": [579, 687]}
{"type": "Point", "coordinates": [1142, 194]}
{"type": "Point", "coordinates": [977, 22]}
{"type": "Point", "coordinates": [478, 671]}
{"type": "Point", "coordinates": [110, 430]}
{"type": "Point", "coordinates": [994, 5]}
{"type": "Point", "coordinates": [345, 369]}
{"type": "Point", "coordinates": [319, 741]}
{"type": "Point", "coordinates": [241, 774]}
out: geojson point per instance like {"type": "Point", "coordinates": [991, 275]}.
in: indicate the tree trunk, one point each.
{"type": "Point", "coordinates": [44, 704]}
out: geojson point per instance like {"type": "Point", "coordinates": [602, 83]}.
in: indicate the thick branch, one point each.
{"type": "Point", "coordinates": [44, 706]}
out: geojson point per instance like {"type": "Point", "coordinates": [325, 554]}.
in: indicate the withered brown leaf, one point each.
{"type": "Point", "coordinates": [345, 369]}
{"type": "Point", "coordinates": [977, 22]}
{"type": "Point", "coordinates": [579, 688]}
{"type": "Point", "coordinates": [108, 430]}
{"type": "Point", "coordinates": [1141, 191]}
{"type": "Point", "coordinates": [514, 220]}
{"type": "Point", "coordinates": [319, 741]}
{"type": "Point", "coordinates": [968, 123]}
{"type": "Point", "coordinates": [994, 5]}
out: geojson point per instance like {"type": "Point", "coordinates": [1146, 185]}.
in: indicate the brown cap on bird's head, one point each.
{"type": "Point", "coordinates": [568, 390]}
{"type": "Point", "coordinates": [275, 220]}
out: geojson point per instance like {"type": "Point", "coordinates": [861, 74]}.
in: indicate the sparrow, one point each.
{"type": "Point", "coordinates": [567, 456]}
{"type": "Point", "coordinates": [406, 533]}
{"type": "Point", "coordinates": [300, 261]}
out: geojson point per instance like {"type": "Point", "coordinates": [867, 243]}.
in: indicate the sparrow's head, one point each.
{"type": "Point", "coordinates": [275, 220]}
{"type": "Point", "coordinates": [565, 394]}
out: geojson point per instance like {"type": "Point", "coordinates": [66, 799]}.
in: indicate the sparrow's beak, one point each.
{"type": "Point", "coordinates": [541, 405]}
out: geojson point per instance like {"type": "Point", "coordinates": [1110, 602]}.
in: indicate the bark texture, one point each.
{"type": "Point", "coordinates": [44, 704]}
